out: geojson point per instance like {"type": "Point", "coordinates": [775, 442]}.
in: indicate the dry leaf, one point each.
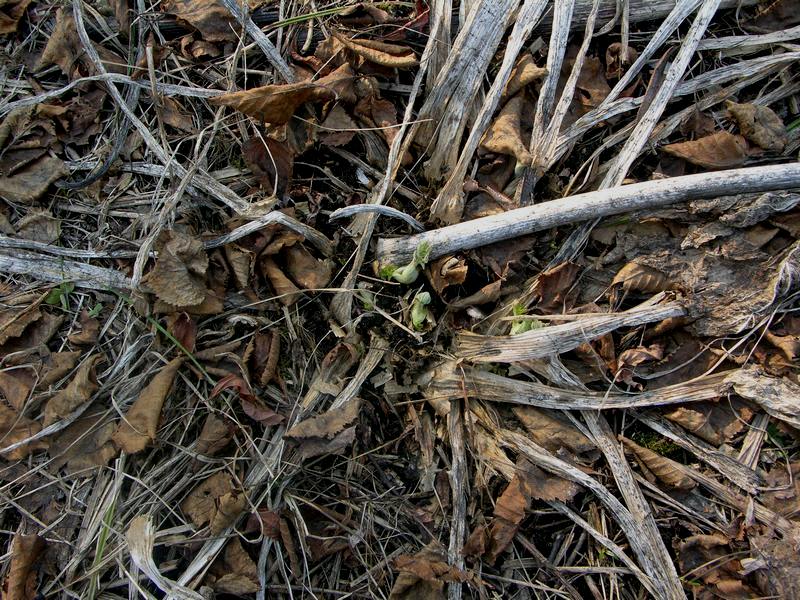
{"type": "Point", "coordinates": [524, 73]}
{"type": "Point", "coordinates": [77, 392]}
{"type": "Point", "coordinates": [779, 575]}
{"type": "Point", "coordinates": [216, 434]}
{"type": "Point", "coordinates": [183, 328]}
{"type": "Point", "coordinates": [446, 271]}
{"type": "Point", "coordinates": [488, 293]}
{"type": "Point", "coordinates": [138, 427]}
{"type": "Point", "coordinates": [553, 285]}
{"type": "Point", "coordinates": [552, 431]}
{"type": "Point", "coordinates": [789, 345]}
{"type": "Point", "coordinates": [760, 125]}
{"type": "Point", "coordinates": [327, 433]}
{"type": "Point", "coordinates": [29, 184]}
{"type": "Point", "coordinates": [278, 103]}
{"type": "Point", "coordinates": [376, 112]}
{"type": "Point", "coordinates": [286, 291]}
{"type": "Point", "coordinates": [238, 573]}
{"type": "Point", "coordinates": [668, 471]}
{"type": "Point", "coordinates": [306, 271]}
{"type": "Point", "coordinates": [11, 12]}
{"type": "Point", "coordinates": [263, 355]}
{"type": "Point", "coordinates": [423, 575]}
{"type": "Point", "coordinates": [214, 502]}
{"type": "Point", "coordinates": [174, 115]}
{"type": "Point", "coordinates": [14, 389]}
{"type": "Point", "coordinates": [364, 14]}
{"type": "Point", "coordinates": [15, 428]}
{"type": "Point", "coordinates": [640, 278]}
{"type": "Point", "coordinates": [89, 328]}
{"type": "Point", "coordinates": [22, 581]}
{"type": "Point", "coordinates": [40, 226]}
{"type": "Point", "coordinates": [633, 357]}
{"type": "Point", "coordinates": [380, 53]}
{"type": "Point", "coordinates": [721, 150]}
{"type": "Point", "coordinates": [179, 277]}
{"type": "Point", "coordinates": [616, 63]}
{"type": "Point", "coordinates": [708, 559]}
{"type": "Point", "coordinates": [210, 17]}
{"type": "Point", "coordinates": [782, 489]}
{"type": "Point", "coordinates": [14, 320]}
{"type": "Point", "coordinates": [84, 445]}
{"type": "Point", "coordinates": [269, 160]}
{"type": "Point", "coordinates": [251, 405]}
{"type": "Point", "coordinates": [716, 423]}
{"type": "Point", "coordinates": [338, 128]}
{"type": "Point", "coordinates": [504, 135]}
{"type": "Point", "coordinates": [775, 15]}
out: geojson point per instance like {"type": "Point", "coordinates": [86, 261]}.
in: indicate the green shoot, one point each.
{"type": "Point", "coordinates": [60, 295]}
{"type": "Point", "coordinates": [419, 310]}
{"type": "Point", "coordinates": [409, 273]}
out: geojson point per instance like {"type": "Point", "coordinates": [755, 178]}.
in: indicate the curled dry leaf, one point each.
{"type": "Point", "coordinates": [210, 17]}
{"type": "Point", "coordinates": [237, 574]}
{"type": "Point", "coordinates": [524, 73]}
{"type": "Point", "coordinates": [29, 184]}
{"type": "Point", "coordinates": [721, 150]}
{"type": "Point", "coordinates": [552, 431]}
{"type": "Point", "coordinates": [380, 53]}
{"type": "Point", "coordinates": [446, 271]}
{"type": "Point", "coordinates": [715, 422]}
{"type": "Point", "coordinates": [306, 271]}
{"type": "Point", "coordinates": [13, 429]}
{"type": "Point", "coordinates": [338, 128]}
{"type": "Point", "coordinates": [666, 470]}
{"type": "Point", "coordinates": [10, 14]}
{"type": "Point", "coordinates": [592, 86]}
{"type": "Point", "coordinates": [88, 330]}
{"type": "Point", "coordinates": [760, 125]}
{"type": "Point", "coordinates": [277, 103]}
{"type": "Point", "coordinates": [708, 560]}
{"type": "Point", "coordinates": [56, 366]}
{"type": "Point", "coordinates": [217, 433]}
{"type": "Point", "coordinates": [251, 405]}
{"type": "Point", "coordinates": [423, 575]}
{"type": "Point", "coordinates": [263, 354]}
{"type": "Point", "coordinates": [183, 328]}
{"type": "Point", "coordinates": [84, 445]}
{"type": "Point", "coordinates": [214, 502]}
{"type": "Point", "coordinates": [14, 389]}
{"type": "Point", "coordinates": [272, 163]}
{"type": "Point", "coordinates": [40, 226]}
{"type": "Point", "coordinates": [138, 427]}
{"type": "Point", "coordinates": [504, 135]}
{"type": "Point", "coordinates": [286, 291]}
{"type": "Point", "coordinates": [553, 285]}
{"type": "Point", "coordinates": [22, 580]}
{"type": "Point", "coordinates": [774, 15]}
{"type": "Point", "coordinates": [14, 320]}
{"type": "Point", "coordinates": [616, 63]}
{"type": "Point", "coordinates": [327, 433]}
{"type": "Point", "coordinates": [789, 345]}
{"type": "Point", "coordinates": [179, 275]}
{"type": "Point", "coordinates": [77, 392]}
{"type": "Point", "coordinates": [635, 277]}
{"type": "Point", "coordinates": [377, 112]}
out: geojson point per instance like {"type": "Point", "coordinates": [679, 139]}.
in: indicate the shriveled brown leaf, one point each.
{"type": "Point", "coordinates": [40, 226]}
{"type": "Point", "coordinates": [554, 284]}
{"type": "Point", "coordinates": [328, 433]}
{"type": "Point", "coordinates": [138, 427]}
{"type": "Point", "coordinates": [639, 355]}
{"type": "Point", "coordinates": [617, 61]}
{"type": "Point", "coordinates": [286, 291]}
{"type": "Point", "coordinates": [782, 493]}
{"type": "Point", "coordinates": [552, 431]}
{"type": "Point", "coordinates": [214, 502]}
{"type": "Point", "coordinates": [238, 573]}
{"type": "Point", "coordinates": [775, 15]}
{"type": "Point", "coordinates": [11, 12]}
{"type": "Point", "coordinates": [31, 183]}
{"type": "Point", "coordinates": [88, 330]}
{"type": "Point", "coordinates": [263, 355]}
{"type": "Point", "coordinates": [504, 135]}
{"type": "Point", "coordinates": [56, 366]}
{"type": "Point", "coordinates": [178, 277]}
{"type": "Point", "coordinates": [364, 14]}
{"type": "Point", "coordinates": [306, 271]}
{"type": "Point", "coordinates": [524, 73]}
{"type": "Point", "coordinates": [380, 53]}
{"type": "Point", "coordinates": [15, 428]}
{"type": "Point", "coordinates": [338, 128]}
{"type": "Point", "coordinates": [721, 150]}
{"type": "Point", "coordinates": [665, 469]}
{"type": "Point", "coordinates": [708, 559]}
{"type": "Point", "coordinates": [212, 304]}
{"type": "Point", "coordinates": [183, 328]}
{"type": "Point", "coordinates": [779, 575]}
{"type": "Point", "coordinates": [381, 113]}
{"type": "Point", "coordinates": [760, 125]}
{"type": "Point", "coordinates": [488, 293]}
{"type": "Point", "coordinates": [252, 406]}
{"type": "Point", "coordinates": [446, 271]}
{"type": "Point", "coordinates": [717, 423]}
{"type": "Point", "coordinates": [174, 115]}
{"type": "Point", "coordinates": [14, 389]}
{"type": "Point", "coordinates": [423, 575]}
{"type": "Point", "coordinates": [210, 17]}
{"type": "Point", "coordinates": [271, 161]}
{"type": "Point", "coordinates": [592, 86]}
{"type": "Point", "coordinates": [84, 445]}
{"type": "Point", "coordinates": [14, 320]}
{"type": "Point", "coordinates": [22, 581]}
{"type": "Point", "coordinates": [788, 344]}
{"type": "Point", "coordinates": [278, 103]}
{"type": "Point", "coordinates": [216, 433]}
{"type": "Point", "coordinates": [77, 392]}
{"type": "Point", "coordinates": [640, 278]}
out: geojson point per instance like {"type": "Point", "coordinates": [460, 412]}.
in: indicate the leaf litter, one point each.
{"type": "Point", "coordinates": [270, 409]}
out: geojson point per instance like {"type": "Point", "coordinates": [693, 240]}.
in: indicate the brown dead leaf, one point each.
{"type": "Point", "coordinates": [380, 53]}
{"type": "Point", "coordinates": [278, 103]}
{"type": "Point", "coordinates": [423, 575]}
{"type": "Point", "coordinates": [251, 405]}
{"type": "Point", "coordinates": [40, 226]}
{"type": "Point", "coordinates": [488, 293]}
{"type": "Point", "coordinates": [508, 514]}
{"type": "Point", "coordinates": [616, 63]}
{"type": "Point", "coordinates": [779, 575]}
{"type": "Point", "coordinates": [263, 354]}
{"type": "Point", "coordinates": [77, 392]}
{"type": "Point", "coordinates": [238, 573]}
{"type": "Point", "coordinates": [628, 359]}
{"type": "Point", "coordinates": [269, 160]}
{"type": "Point", "coordinates": [214, 502]}
{"type": "Point", "coordinates": [721, 150]}
{"type": "Point", "coordinates": [524, 73]}
{"type": "Point", "coordinates": [138, 427]}
{"type": "Point", "coordinates": [760, 125]}
{"type": "Point", "coordinates": [552, 431]}
{"type": "Point", "coordinates": [504, 135]}
{"type": "Point", "coordinates": [21, 582]}
{"type": "Point", "coordinates": [782, 489]}
{"type": "Point", "coordinates": [178, 277]}
{"type": "Point", "coordinates": [212, 304]}
{"type": "Point", "coordinates": [217, 433]}
{"type": "Point", "coordinates": [29, 184]}
{"type": "Point", "coordinates": [338, 128]}
{"type": "Point", "coordinates": [364, 14]}
{"type": "Point", "coordinates": [84, 445]}
{"type": "Point", "coordinates": [15, 428]}
{"type": "Point", "coordinates": [287, 292]}
{"type": "Point", "coordinates": [446, 271]}
{"type": "Point", "coordinates": [592, 86]}
{"type": "Point", "coordinates": [327, 433]}
{"type": "Point", "coordinates": [775, 15]}
{"type": "Point", "coordinates": [377, 112]}
{"type": "Point", "coordinates": [716, 423]}
{"type": "Point", "coordinates": [554, 284]}
{"type": "Point", "coordinates": [56, 366]}
{"type": "Point", "coordinates": [666, 470]}
{"type": "Point", "coordinates": [635, 277]}
{"type": "Point", "coordinates": [88, 330]}
{"type": "Point", "coordinates": [709, 559]}
{"type": "Point", "coordinates": [11, 12]}
{"type": "Point", "coordinates": [789, 345]}
{"type": "Point", "coordinates": [306, 271]}
{"type": "Point", "coordinates": [174, 115]}
{"type": "Point", "coordinates": [14, 389]}
{"type": "Point", "coordinates": [210, 17]}
{"type": "Point", "coordinates": [183, 328]}
{"type": "Point", "coordinates": [14, 320]}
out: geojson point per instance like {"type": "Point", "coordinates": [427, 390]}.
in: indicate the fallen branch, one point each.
{"type": "Point", "coordinates": [591, 205]}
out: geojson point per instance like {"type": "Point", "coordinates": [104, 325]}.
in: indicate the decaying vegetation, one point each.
{"type": "Point", "coordinates": [405, 300]}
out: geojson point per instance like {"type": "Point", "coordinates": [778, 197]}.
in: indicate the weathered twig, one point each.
{"type": "Point", "coordinates": [591, 205]}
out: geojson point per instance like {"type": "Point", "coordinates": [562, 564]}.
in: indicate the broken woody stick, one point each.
{"type": "Point", "coordinates": [583, 207]}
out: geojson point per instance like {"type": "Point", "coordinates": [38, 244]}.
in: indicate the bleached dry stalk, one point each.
{"type": "Point", "coordinates": [591, 205]}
